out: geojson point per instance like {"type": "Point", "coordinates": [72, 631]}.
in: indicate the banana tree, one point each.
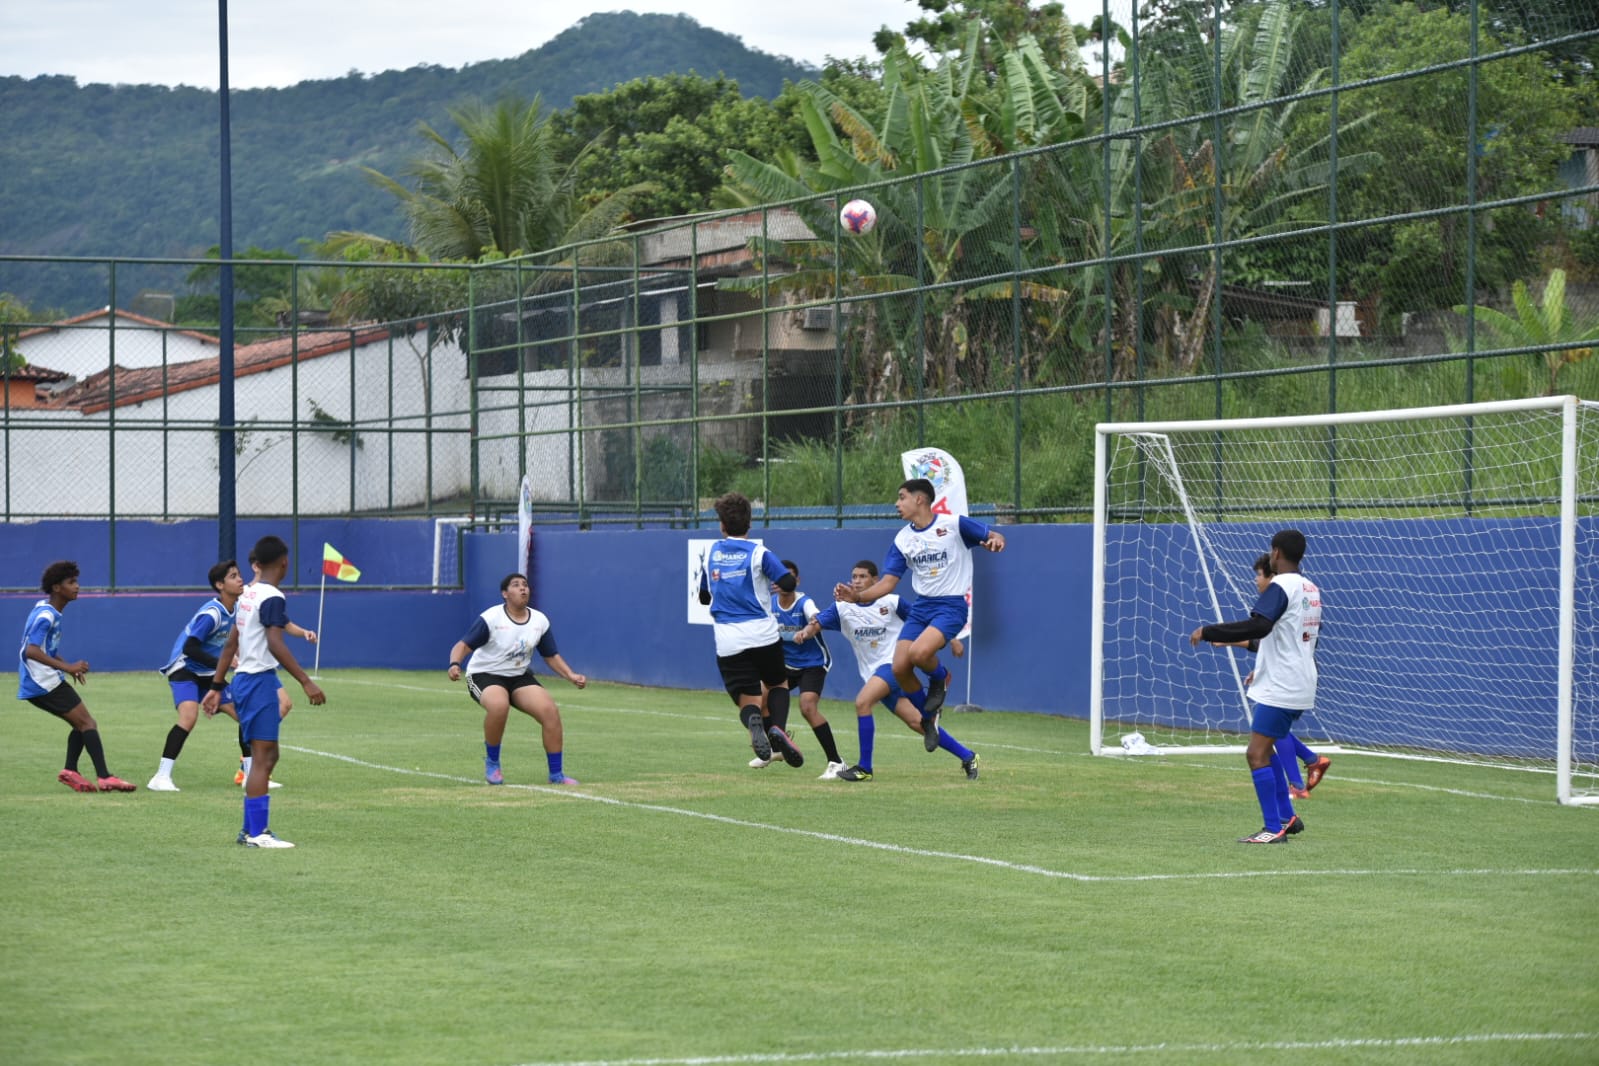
{"type": "Point", "coordinates": [1538, 324]}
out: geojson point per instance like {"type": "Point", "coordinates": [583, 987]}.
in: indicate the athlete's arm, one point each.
{"type": "Point", "coordinates": [474, 639]}
{"type": "Point", "coordinates": [558, 664]}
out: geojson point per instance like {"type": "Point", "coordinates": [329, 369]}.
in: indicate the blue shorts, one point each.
{"type": "Point", "coordinates": [1274, 722]}
{"type": "Point", "coordinates": [947, 614]}
{"type": "Point", "coordinates": [895, 693]}
{"type": "Point", "coordinates": [188, 688]}
{"type": "Point", "coordinates": [257, 704]}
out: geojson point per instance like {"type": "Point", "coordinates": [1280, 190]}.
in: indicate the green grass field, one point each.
{"type": "Point", "coordinates": [679, 907]}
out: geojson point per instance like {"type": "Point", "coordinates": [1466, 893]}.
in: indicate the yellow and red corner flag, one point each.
{"type": "Point", "coordinates": [337, 566]}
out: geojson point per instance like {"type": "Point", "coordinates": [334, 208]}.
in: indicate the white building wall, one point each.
{"type": "Point", "coordinates": [86, 349]}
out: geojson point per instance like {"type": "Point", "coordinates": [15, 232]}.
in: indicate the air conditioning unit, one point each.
{"type": "Point", "coordinates": [817, 318]}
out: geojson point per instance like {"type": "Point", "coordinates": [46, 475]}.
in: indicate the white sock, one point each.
{"type": "Point", "coordinates": [166, 768]}
{"type": "Point", "coordinates": [245, 764]}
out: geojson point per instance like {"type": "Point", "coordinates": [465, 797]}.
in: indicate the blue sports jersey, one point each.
{"type": "Point", "coordinates": [44, 629]}
{"type": "Point", "coordinates": [938, 555]}
{"type": "Point", "coordinates": [210, 625]}
{"type": "Point", "coordinates": [739, 574]}
{"type": "Point", "coordinates": [790, 621]}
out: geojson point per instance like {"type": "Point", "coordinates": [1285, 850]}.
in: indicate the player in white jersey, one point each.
{"type": "Point", "coordinates": [935, 549]}
{"type": "Point", "coordinates": [736, 584]}
{"type": "Point", "coordinates": [256, 648]}
{"type": "Point", "coordinates": [42, 680]}
{"type": "Point", "coordinates": [1286, 620]}
{"type": "Point", "coordinates": [501, 644]}
{"type": "Point", "coordinates": [873, 632]}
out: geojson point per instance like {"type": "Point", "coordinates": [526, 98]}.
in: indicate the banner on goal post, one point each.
{"type": "Point", "coordinates": [524, 530]}
{"type": "Point", "coordinates": [949, 494]}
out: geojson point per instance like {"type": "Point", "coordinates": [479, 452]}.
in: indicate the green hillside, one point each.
{"type": "Point", "coordinates": [132, 170]}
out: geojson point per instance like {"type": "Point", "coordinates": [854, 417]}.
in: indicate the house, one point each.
{"type": "Point", "coordinates": [1580, 171]}
{"type": "Point", "coordinates": [24, 386]}
{"type": "Point", "coordinates": [85, 344]}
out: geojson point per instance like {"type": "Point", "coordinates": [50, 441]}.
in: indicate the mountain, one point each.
{"type": "Point", "coordinates": [132, 170]}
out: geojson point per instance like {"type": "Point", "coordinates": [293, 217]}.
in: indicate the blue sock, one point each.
{"type": "Point", "coordinates": [866, 725]}
{"type": "Point", "coordinates": [1289, 764]}
{"type": "Point", "coordinates": [953, 746]}
{"type": "Point", "coordinates": [257, 813]}
{"type": "Point", "coordinates": [492, 751]}
{"type": "Point", "coordinates": [940, 673]}
{"type": "Point", "coordinates": [1302, 753]}
{"type": "Point", "coordinates": [1285, 803]}
{"type": "Point", "coordinates": [1265, 780]}
{"type": "Point", "coordinates": [918, 698]}
{"type": "Point", "coordinates": [554, 759]}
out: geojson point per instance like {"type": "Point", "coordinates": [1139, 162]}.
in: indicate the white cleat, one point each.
{"type": "Point", "coordinates": [831, 773]}
{"type": "Point", "coordinates": [158, 783]}
{"type": "Point", "coordinates": [265, 839]}
{"type": "Point", "coordinates": [758, 763]}
{"type": "Point", "coordinates": [271, 784]}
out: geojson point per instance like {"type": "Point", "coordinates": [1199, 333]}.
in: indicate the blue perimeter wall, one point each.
{"type": "Point", "coordinates": [617, 600]}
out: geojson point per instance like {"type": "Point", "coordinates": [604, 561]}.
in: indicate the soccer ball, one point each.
{"type": "Point", "coordinates": [858, 217]}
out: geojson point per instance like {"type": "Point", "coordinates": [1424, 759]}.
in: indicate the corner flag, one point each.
{"type": "Point", "coordinates": [337, 566]}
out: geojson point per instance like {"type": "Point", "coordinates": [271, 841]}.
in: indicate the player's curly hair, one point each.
{"type": "Point", "coordinates": [57, 572]}
{"type": "Point", "coordinates": [733, 510]}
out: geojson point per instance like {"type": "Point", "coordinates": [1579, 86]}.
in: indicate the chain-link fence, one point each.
{"type": "Point", "coordinates": [1250, 209]}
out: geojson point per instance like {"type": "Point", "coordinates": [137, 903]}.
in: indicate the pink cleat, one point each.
{"type": "Point", "coordinates": [563, 780]}
{"type": "Point", "coordinates": [116, 784]}
{"type": "Point", "coordinates": [75, 781]}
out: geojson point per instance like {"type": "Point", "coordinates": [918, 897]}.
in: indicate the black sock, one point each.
{"type": "Point", "coordinates": [92, 745]}
{"type": "Point", "coordinates": [824, 737]}
{"type": "Point", "coordinates": [750, 715]}
{"type": "Point", "coordinates": [777, 708]}
{"type": "Point", "coordinates": [244, 745]}
{"type": "Point", "coordinates": [175, 738]}
{"type": "Point", "coordinates": [74, 749]}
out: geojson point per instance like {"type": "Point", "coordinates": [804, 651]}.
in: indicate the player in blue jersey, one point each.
{"type": "Point", "coordinates": [1286, 620]}
{"type": "Point", "coordinates": [42, 680]}
{"type": "Point", "coordinates": [736, 584]}
{"type": "Point", "coordinates": [499, 673]}
{"type": "Point", "coordinates": [1291, 749]}
{"type": "Point", "coordinates": [256, 648]}
{"type": "Point", "coordinates": [807, 663]}
{"type": "Point", "coordinates": [193, 660]}
{"type": "Point", "coordinates": [873, 631]}
{"type": "Point", "coordinates": [934, 548]}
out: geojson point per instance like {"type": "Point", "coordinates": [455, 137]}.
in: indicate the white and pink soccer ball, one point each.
{"type": "Point", "coordinates": [858, 217]}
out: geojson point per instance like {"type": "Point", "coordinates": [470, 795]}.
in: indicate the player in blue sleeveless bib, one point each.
{"type": "Point", "coordinates": [807, 664]}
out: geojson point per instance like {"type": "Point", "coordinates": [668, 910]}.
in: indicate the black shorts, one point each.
{"type": "Point", "coordinates": [476, 683]}
{"type": "Point", "coordinates": [807, 679]}
{"type": "Point", "coordinates": [59, 701]}
{"type": "Point", "coordinates": [745, 672]}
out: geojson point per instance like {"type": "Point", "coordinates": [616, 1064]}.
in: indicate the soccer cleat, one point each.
{"type": "Point", "coordinates": [241, 837]}
{"type": "Point", "coordinates": [854, 773]}
{"type": "Point", "coordinates": [1294, 825]}
{"type": "Point", "coordinates": [1266, 836]}
{"type": "Point", "coordinates": [1298, 793]}
{"type": "Point", "coordinates": [930, 730]}
{"type": "Point", "coordinates": [1314, 772]}
{"type": "Point", "coordinates": [274, 784]}
{"type": "Point", "coordinates": [970, 766]}
{"type": "Point", "coordinates": [935, 695]}
{"type": "Point", "coordinates": [759, 741]}
{"type": "Point", "coordinates": [115, 784]}
{"type": "Point", "coordinates": [162, 783]}
{"type": "Point", "coordinates": [238, 778]}
{"type": "Point", "coordinates": [785, 747]}
{"type": "Point", "coordinates": [562, 779]}
{"type": "Point", "coordinates": [265, 839]}
{"type": "Point", "coordinates": [757, 763]}
{"type": "Point", "coordinates": [832, 771]}
{"type": "Point", "coordinates": [75, 781]}
{"type": "Point", "coordinates": [491, 772]}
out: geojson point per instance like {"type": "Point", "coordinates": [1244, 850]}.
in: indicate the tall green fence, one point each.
{"type": "Point", "coordinates": [1262, 208]}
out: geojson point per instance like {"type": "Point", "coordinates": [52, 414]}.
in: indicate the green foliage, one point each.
{"type": "Point", "coordinates": [1546, 322]}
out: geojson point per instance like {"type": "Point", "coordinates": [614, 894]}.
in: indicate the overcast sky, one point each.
{"type": "Point", "coordinates": [282, 42]}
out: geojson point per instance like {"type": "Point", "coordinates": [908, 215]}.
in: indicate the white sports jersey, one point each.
{"type": "Point", "coordinates": [504, 646]}
{"type": "Point", "coordinates": [260, 608]}
{"type": "Point", "coordinates": [938, 555]}
{"type": "Point", "coordinates": [1285, 669]}
{"type": "Point", "coordinates": [872, 629]}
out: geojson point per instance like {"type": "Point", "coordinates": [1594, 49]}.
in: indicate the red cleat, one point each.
{"type": "Point", "coordinates": [1314, 772]}
{"type": "Point", "coordinates": [75, 781]}
{"type": "Point", "coordinates": [115, 784]}
{"type": "Point", "coordinates": [1298, 793]}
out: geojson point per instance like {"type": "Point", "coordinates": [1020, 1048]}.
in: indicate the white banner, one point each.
{"type": "Point", "coordinates": [524, 531]}
{"type": "Point", "coordinates": [949, 493]}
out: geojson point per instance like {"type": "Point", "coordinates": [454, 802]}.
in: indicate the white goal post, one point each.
{"type": "Point", "coordinates": [1457, 550]}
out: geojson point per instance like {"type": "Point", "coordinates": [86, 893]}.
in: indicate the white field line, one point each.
{"type": "Point", "coordinates": [1175, 763]}
{"type": "Point", "coordinates": [980, 860]}
{"type": "Point", "coordinates": [1087, 1050]}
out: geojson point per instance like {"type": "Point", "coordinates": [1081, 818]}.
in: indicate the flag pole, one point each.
{"type": "Point", "coordinates": [316, 668]}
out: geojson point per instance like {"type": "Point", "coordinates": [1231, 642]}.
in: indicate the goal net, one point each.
{"type": "Point", "coordinates": [1456, 548]}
